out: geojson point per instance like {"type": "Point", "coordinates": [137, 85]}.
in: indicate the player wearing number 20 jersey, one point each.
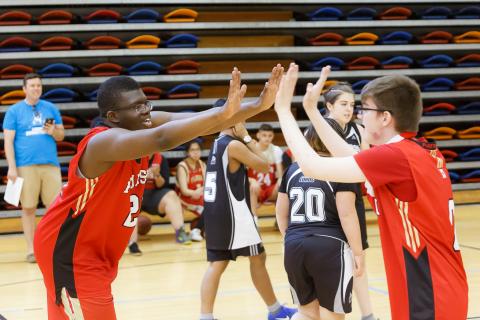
{"type": "Point", "coordinates": [318, 259]}
{"type": "Point", "coordinates": [85, 232]}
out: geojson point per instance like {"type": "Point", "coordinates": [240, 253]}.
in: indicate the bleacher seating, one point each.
{"type": "Point", "coordinates": [183, 56]}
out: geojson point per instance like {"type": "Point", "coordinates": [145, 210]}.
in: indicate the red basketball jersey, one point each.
{"type": "Point", "coordinates": [84, 233]}
{"type": "Point", "coordinates": [195, 181]}
{"type": "Point", "coordinates": [274, 156]}
{"type": "Point", "coordinates": [425, 273]}
{"type": "Point", "coordinates": [154, 160]}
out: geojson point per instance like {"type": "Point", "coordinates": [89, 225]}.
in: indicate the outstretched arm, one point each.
{"type": "Point", "coordinates": [337, 146]}
{"type": "Point", "coordinates": [247, 109]}
{"type": "Point", "coordinates": [343, 169]}
{"type": "Point", "coordinates": [118, 144]}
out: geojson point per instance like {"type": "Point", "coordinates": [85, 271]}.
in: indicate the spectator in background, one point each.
{"type": "Point", "coordinates": [31, 128]}
{"type": "Point", "coordinates": [189, 186]}
{"type": "Point", "coordinates": [160, 200]}
{"type": "Point", "coordinates": [264, 186]}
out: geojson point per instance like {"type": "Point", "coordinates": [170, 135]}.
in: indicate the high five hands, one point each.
{"type": "Point", "coordinates": [283, 100]}
{"type": "Point", "coordinates": [236, 92]}
{"type": "Point", "coordinates": [313, 92]}
{"type": "Point", "coordinates": [269, 92]}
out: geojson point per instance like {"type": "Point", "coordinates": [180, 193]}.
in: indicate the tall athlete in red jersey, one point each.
{"type": "Point", "coordinates": [81, 238]}
{"type": "Point", "coordinates": [409, 187]}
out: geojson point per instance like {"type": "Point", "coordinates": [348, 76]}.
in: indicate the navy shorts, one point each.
{"type": "Point", "coordinates": [320, 267]}
{"type": "Point", "coordinates": [223, 255]}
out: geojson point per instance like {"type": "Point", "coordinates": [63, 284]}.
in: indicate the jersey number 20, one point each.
{"type": "Point", "coordinates": [314, 208]}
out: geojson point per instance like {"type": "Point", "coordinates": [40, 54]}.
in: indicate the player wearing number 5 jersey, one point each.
{"type": "Point", "coordinates": [230, 227]}
{"type": "Point", "coordinates": [322, 239]}
{"type": "Point", "coordinates": [80, 240]}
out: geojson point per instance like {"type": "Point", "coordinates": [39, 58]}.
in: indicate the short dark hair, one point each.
{"type": "Point", "coordinates": [401, 96]}
{"type": "Point", "coordinates": [314, 140]}
{"type": "Point", "coordinates": [265, 127]}
{"type": "Point", "coordinates": [110, 90]}
{"type": "Point", "coordinates": [29, 76]}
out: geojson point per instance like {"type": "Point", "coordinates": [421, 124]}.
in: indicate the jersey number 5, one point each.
{"type": "Point", "coordinates": [314, 208]}
{"type": "Point", "coordinates": [210, 187]}
{"type": "Point", "coordinates": [131, 220]}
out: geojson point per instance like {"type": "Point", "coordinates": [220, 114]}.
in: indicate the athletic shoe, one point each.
{"type": "Point", "coordinates": [31, 258]}
{"type": "Point", "coordinates": [285, 313]}
{"type": "Point", "coordinates": [134, 249]}
{"type": "Point", "coordinates": [182, 237]}
{"type": "Point", "coordinates": [196, 235]}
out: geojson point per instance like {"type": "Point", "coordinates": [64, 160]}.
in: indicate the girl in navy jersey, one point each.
{"type": "Point", "coordinates": [340, 103]}
{"type": "Point", "coordinates": [321, 230]}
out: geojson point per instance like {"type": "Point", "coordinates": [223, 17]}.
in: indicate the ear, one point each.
{"type": "Point", "coordinates": [112, 116]}
{"type": "Point", "coordinates": [329, 106]}
{"type": "Point", "coordinates": [387, 119]}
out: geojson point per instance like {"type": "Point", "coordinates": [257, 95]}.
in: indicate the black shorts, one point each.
{"type": "Point", "coordinates": [363, 228]}
{"type": "Point", "coordinates": [320, 267]}
{"type": "Point", "coordinates": [360, 208]}
{"type": "Point", "coordinates": [223, 255]}
{"type": "Point", "coordinates": [151, 199]}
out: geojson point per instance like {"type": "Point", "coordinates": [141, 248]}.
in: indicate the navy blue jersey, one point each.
{"type": "Point", "coordinates": [353, 138]}
{"type": "Point", "coordinates": [229, 222]}
{"type": "Point", "coordinates": [352, 135]}
{"type": "Point", "coordinates": [312, 205]}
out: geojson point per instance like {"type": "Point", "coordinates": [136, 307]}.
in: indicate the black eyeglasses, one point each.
{"type": "Point", "coordinates": [139, 108]}
{"type": "Point", "coordinates": [361, 110]}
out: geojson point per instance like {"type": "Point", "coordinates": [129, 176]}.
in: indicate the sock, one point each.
{"type": "Point", "coordinates": [275, 308]}
{"type": "Point", "coordinates": [206, 316]}
{"type": "Point", "coordinates": [369, 317]}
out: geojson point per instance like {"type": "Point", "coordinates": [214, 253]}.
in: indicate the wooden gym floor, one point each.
{"type": "Point", "coordinates": [164, 282]}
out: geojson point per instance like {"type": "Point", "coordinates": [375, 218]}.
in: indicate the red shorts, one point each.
{"type": "Point", "coordinates": [266, 192]}
{"type": "Point", "coordinates": [86, 308]}
{"type": "Point", "coordinates": [96, 304]}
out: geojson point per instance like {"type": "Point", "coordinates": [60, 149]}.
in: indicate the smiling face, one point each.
{"type": "Point", "coordinates": [374, 122]}
{"type": "Point", "coordinates": [132, 111]}
{"type": "Point", "coordinates": [33, 90]}
{"type": "Point", "coordinates": [342, 109]}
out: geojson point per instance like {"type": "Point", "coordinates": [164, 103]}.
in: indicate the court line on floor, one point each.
{"type": "Point", "coordinates": [470, 247]}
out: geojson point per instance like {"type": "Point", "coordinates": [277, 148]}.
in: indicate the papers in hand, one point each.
{"type": "Point", "coordinates": [13, 191]}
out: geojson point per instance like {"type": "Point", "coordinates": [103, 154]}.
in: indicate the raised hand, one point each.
{"type": "Point", "coordinates": [312, 95]}
{"type": "Point", "coordinates": [283, 99]}
{"type": "Point", "coordinates": [267, 97]}
{"type": "Point", "coordinates": [236, 92]}
{"type": "Point", "coordinates": [240, 131]}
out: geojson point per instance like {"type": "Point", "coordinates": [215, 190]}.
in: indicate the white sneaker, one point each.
{"type": "Point", "coordinates": [196, 235]}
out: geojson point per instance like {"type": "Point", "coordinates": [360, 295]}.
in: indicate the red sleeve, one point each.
{"type": "Point", "coordinates": [157, 159]}
{"type": "Point", "coordinates": [387, 165]}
